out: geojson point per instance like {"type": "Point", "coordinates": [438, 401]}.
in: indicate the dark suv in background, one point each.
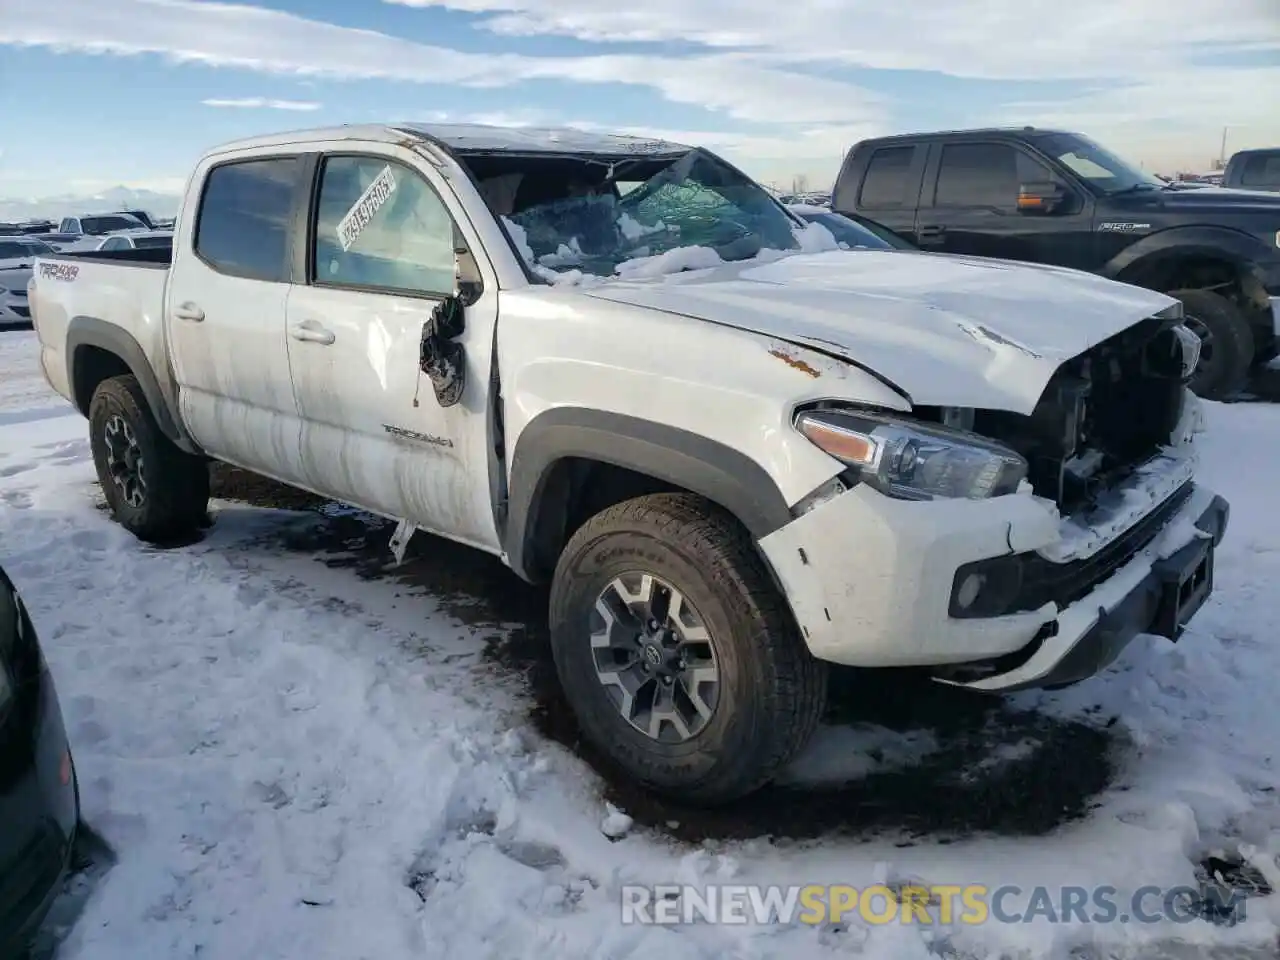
{"type": "Point", "coordinates": [1058, 198]}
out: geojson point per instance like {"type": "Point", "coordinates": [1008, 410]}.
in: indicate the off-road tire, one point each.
{"type": "Point", "coordinates": [772, 690]}
{"type": "Point", "coordinates": [176, 502]}
{"type": "Point", "coordinates": [1226, 370]}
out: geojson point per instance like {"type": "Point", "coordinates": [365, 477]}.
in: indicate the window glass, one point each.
{"type": "Point", "coordinates": [381, 225]}
{"type": "Point", "coordinates": [96, 226]}
{"type": "Point", "coordinates": [886, 183]}
{"type": "Point", "coordinates": [1261, 170]}
{"type": "Point", "coordinates": [985, 175]}
{"type": "Point", "coordinates": [243, 226]}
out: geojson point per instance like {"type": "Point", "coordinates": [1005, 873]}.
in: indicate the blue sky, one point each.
{"type": "Point", "coordinates": [106, 92]}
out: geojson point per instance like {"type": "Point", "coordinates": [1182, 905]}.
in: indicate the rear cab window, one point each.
{"type": "Point", "coordinates": [888, 182]}
{"type": "Point", "coordinates": [243, 222]}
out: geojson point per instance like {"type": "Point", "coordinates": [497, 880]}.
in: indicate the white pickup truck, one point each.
{"type": "Point", "coordinates": [736, 452]}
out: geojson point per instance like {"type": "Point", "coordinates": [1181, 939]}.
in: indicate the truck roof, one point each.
{"type": "Point", "coordinates": [974, 132]}
{"type": "Point", "coordinates": [476, 138]}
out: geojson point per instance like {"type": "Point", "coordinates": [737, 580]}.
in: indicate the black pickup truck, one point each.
{"type": "Point", "coordinates": [1058, 198]}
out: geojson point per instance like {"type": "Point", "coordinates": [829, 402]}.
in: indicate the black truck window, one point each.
{"type": "Point", "coordinates": [886, 183]}
{"type": "Point", "coordinates": [243, 225]}
{"type": "Point", "coordinates": [985, 175]}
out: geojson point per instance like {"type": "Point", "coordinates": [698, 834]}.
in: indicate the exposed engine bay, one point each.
{"type": "Point", "coordinates": [1102, 415]}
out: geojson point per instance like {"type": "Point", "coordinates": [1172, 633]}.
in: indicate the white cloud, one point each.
{"type": "Point", "coordinates": [255, 38]}
{"type": "Point", "coordinates": [262, 103]}
{"type": "Point", "coordinates": [996, 39]}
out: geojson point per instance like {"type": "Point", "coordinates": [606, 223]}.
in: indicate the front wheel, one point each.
{"type": "Point", "coordinates": [155, 491]}
{"type": "Point", "coordinates": [1226, 343]}
{"type": "Point", "coordinates": [676, 652]}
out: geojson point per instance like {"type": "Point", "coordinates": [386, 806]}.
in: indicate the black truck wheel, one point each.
{"type": "Point", "coordinates": [1226, 343]}
{"type": "Point", "coordinates": [157, 492]}
{"type": "Point", "coordinates": [676, 652]}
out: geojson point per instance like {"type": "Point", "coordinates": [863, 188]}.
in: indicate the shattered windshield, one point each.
{"type": "Point", "coordinates": [643, 216]}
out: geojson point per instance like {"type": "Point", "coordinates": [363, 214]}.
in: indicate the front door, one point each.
{"type": "Point", "coordinates": [228, 292]}
{"type": "Point", "coordinates": [970, 206]}
{"type": "Point", "coordinates": [381, 254]}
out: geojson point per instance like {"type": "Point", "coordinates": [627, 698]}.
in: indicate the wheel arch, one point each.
{"type": "Point", "coordinates": [561, 450]}
{"type": "Point", "coordinates": [97, 350]}
{"type": "Point", "coordinates": [1196, 257]}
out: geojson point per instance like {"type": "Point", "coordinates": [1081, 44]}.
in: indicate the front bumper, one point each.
{"type": "Point", "coordinates": [871, 582]}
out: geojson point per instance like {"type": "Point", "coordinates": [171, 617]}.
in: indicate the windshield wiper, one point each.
{"type": "Point", "coordinates": [1141, 187]}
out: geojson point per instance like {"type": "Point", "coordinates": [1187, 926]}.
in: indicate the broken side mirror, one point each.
{"type": "Point", "coordinates": [1042, 197]}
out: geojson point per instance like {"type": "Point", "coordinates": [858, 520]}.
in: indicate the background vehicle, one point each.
{"type": "Point", "coordinates": [63, 241]}
{"type": "Point", "coordinates": [851, 231]}
{"type": "Point", "coordinates": [789, 455]}
{"type": "Point", "coordinates": [142, 217]}
{"type": "Point", "coordinates": [95, 225]}
{"type": "Point", "coordinates": [1254, 170]}
{"type": "Point", "coordinates": [39, 795]}
{"type": "Point", "coordinates": [1059, 198]}
{"type": "Point", "coordinates": [17, 254]}
{"type": "Point", "coordinates": [137, 240]}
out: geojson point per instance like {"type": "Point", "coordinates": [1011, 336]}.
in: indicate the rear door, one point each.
{"type": "Point", "coordinates": [227, 297]}
{"type": "Point", "coordinates": [970, 206]}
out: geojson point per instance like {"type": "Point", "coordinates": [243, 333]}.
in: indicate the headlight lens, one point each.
{"type": "Point", "coordinates": [915, 461]}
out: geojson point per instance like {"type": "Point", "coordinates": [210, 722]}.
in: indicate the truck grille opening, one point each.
{"type": "Point", "coordinates": [1101, 415]}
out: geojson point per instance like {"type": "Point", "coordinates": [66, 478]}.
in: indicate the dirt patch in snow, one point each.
{"type": "Point", "coordinates": [988, 768]}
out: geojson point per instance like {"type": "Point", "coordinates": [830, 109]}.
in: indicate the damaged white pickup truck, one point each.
{"type": "Point", "coordinates": [735, 451]}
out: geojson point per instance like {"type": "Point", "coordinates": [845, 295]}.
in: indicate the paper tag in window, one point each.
{"type": "Point", "coordinates": [362, 212]}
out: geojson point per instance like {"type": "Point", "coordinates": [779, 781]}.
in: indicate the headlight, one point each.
{"type": "Point", "coordinates": [915, 461]}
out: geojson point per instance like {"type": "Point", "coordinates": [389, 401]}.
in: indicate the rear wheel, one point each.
{"type": "Point", "coordinates": [155, 491]}
{"type": "Point", "coordinates": [1226, 343]}
{"type": "Point", "coordinates": [676, 652]}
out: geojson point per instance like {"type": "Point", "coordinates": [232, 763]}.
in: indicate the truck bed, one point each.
{"type": "Point", "coordinates": [79, 298]}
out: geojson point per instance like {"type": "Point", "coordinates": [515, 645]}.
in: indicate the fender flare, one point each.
{"type": "Point", "coordinates": [85, 331]}
{"type": "Point", "coordinates": [1222, 243]}
{"type": "Point", "coordinates": [675, 456]}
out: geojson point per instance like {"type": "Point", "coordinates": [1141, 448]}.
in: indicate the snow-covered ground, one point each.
{"type": "Point", "coordinates": [291, 759]}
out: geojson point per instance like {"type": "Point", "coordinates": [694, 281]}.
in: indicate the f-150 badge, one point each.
{"type": "Point", "coordinates": [1123, 226]}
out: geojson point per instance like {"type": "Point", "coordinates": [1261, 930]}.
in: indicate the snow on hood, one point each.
{"type": "Point", "coordinates": [947, 330]}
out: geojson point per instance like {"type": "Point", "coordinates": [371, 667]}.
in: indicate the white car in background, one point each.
{"type": "Point", "coordinates": [17, 254]}
{"type": "Point", "coordinates": [137, 240]}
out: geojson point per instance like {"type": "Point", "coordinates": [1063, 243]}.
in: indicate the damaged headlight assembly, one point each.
{"type": "Point", "coordinates": [914, 461]}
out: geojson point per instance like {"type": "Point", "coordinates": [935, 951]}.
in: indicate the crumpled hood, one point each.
{"type": "Point", "coordinates": [946, 330]}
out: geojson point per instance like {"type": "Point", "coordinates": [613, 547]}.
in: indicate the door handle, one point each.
{"type": "Point", "coordinates": [931, 234]}
{"type": "Point", "coordinates": [311, 332]}
{"type": "Point", "coordinates": [188, 311]}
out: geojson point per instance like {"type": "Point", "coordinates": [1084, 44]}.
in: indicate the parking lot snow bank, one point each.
{"type": "Point", "coordinates": [290, 761]}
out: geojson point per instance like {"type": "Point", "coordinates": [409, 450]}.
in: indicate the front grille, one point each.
{"type": "Point", "coordinates": [21, 310]}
